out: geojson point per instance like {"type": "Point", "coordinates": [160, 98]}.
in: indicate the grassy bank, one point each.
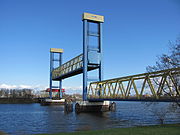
{"type": "Point", "coordinates": [171, 129]}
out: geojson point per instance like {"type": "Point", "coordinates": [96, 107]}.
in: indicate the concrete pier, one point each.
{"type": "Point", "coordinates": [53, 102]}
{"type": "Point", "coordinates": [86, 106]}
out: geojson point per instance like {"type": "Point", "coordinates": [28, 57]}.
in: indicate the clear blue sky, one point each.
{"type": "Point", "coordinates": [134, 33]}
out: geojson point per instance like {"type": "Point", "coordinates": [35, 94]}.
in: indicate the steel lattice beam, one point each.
{"type": "Point", "coordinates": [155, 86]}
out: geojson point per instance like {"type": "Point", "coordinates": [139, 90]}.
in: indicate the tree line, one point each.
{"type": "Point", "coordinates": [16, 93]}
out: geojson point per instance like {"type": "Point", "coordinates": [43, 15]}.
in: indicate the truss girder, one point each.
{"type": "Point", "coordinates": [160, 85]}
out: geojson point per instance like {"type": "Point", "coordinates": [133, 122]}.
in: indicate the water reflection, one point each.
{"type": "Point", "coordinates": [23, 119]}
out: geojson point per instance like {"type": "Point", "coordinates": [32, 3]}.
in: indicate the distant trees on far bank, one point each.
{"type": "Point", "coordinates": [16, 93]}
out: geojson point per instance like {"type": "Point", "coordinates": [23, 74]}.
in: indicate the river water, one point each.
{"type": "Point", "coordinates": [20, 119]}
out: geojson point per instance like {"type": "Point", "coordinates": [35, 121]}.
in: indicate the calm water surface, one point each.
{"type": "Point", "coordinates": [20, 119]}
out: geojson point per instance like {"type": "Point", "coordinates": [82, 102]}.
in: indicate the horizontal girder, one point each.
{"type": "Point", "coordinates": [155, 86]}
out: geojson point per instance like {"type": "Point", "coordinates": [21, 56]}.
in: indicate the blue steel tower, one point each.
{"type": "Point", "coordinates": [92, 48]}
{"type": "Point", "coordinates": [53, 59]}
{"type": "Point", "coordinates": [91, 60]}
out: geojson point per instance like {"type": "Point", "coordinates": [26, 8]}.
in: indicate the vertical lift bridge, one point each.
{"type": "Point", "coordinates": [90, 59]}
{"type": "Point", "coordinates": [100, 92]}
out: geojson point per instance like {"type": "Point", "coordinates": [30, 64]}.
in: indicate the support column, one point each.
{"type": "Point", "coordinates": [51, 69]}
{"type": "Point", "coordinates": [60, 81]}
{"type": "Point", "coordinates": [101, 53]}
{"type": "Point", "coordinates": [85, 64]}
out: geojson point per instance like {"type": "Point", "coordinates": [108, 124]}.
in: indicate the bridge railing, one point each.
{"type": "Point", "coordinates": [70, 66]}
{"type": "Point", "coordinates": [160, 85]}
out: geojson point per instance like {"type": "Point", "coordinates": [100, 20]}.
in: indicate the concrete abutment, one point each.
{"type": "Point", "coordinates": [86, 106]}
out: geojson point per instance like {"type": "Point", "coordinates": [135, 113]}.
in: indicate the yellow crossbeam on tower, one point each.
{"type": "Point", "coordinates": [56, 50]}
{"type": "Point", "coordinates": [93, 17]}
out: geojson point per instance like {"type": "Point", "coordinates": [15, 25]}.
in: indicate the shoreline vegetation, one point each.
{"type": "Point", "coordinates": [31, 99]}
{"type": "Point", "coordinates": [18, 100]}
{"type": "Point", "coordinates": [165, 129]}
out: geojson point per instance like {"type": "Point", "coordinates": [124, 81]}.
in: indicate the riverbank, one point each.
{"type": "Point", "coordinates": [18, 100]}
{"type": "Point", "coordinates": [166, 129]}
{"type": "Point", "coordinates": [2, 133]}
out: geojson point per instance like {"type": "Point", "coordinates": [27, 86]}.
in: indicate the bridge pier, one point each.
{"type": "Point", "coordinates": [53, 102]}
{"type": "Point", "coordinates": [86, 106]}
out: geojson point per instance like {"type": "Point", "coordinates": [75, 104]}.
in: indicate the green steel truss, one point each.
{"type": "Point", "coordinates": [155, 86]}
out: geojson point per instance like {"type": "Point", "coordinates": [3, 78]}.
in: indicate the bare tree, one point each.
{"type": "Point", "coordinates": [169, 61]}
{"type": "Point", "coordinates": [161, 111]}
